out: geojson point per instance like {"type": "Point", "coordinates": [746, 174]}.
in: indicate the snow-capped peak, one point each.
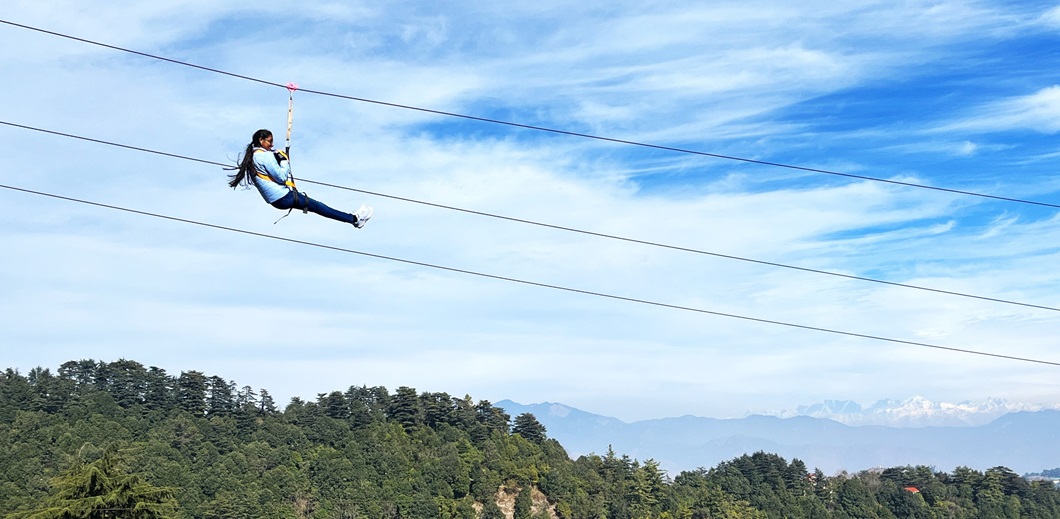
{"type": "Point", "coordinates": [915, 411]}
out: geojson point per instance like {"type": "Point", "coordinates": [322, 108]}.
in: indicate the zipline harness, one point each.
{"type": "Point", "coordinates": [286, 154]}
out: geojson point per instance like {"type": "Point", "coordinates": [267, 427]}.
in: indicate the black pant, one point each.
{"type": "Point", "coordinates": [297, 200]}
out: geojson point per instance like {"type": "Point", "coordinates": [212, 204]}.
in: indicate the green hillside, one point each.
{"type": "Point", "coordinates": [98, 439]}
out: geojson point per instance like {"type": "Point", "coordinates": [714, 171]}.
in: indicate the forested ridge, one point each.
{"type": "Point", "coordinates": [118, 439]}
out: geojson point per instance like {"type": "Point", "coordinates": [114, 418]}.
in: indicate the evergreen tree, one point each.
{"type": "Point", "coordinates": [334, 405]}
{"type": "Point", "coordinates": [527, 426]}
{"type": "Point", "coordinates": [127, 381]}
{"type": "Point", "coordinates": [51, 393]}
{"type": "Point", "coordinates": [437, 409]}
{"type": "Point", "coordinates": [464, 417]}
{"type": "Point", "coordinates": [490, 510]}
{"type": "Point", "coordinates": [161, 391]}
{"type": "Point", "coordinates": [405, 407]}
{"type": "Point", "coordinates": [359, 401]}
{"type": "Point", "coordinates": [266, 405]}
{"type": "Point", "coordinates": [220, 397]}
{"type": "Point", "coordinates": [524, 503]}
{"type": "Point", "coordinates": [493, 418]}
{"type": "Point", "coordinates": [16, 394]}
{"type": "Point", "coordinates": [246, 398]}
{"type": "Point", "coordinates": [82, 372]}
{"type": "Point", "coordinates": [854, 499]}
{"type": "Point", "coordinates": [103, 489]}
{"type": "Point", "coordinates": [191, 392]}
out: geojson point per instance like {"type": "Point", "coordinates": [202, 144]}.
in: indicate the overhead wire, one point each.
{"type": "Point", "coordinates": [542, 128]}
{"type": "Point", "coordinates": [563, 132]}
{"type": "Point", "coordinates": [528, 282]}
{"type": "Point", "coordinates": [559, 227]}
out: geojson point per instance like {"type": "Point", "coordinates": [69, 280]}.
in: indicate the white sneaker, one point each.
{"type": "Point", "coordinates": [362, 215]}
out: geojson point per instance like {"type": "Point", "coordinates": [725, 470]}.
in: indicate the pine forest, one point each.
{"type": "Point", "coordinates": [117, 439]}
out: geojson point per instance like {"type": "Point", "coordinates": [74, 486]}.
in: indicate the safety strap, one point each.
{"type": "Point", "coordinates": [290, 177]}
{"type": "Point", "coordinates": [291, 87]}
{"type": "Point", "coordinates": [289, 183]}
{"type": "Point", "coordinates": [305, 205]}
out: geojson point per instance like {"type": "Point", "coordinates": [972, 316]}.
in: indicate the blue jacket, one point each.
{"type": "Point", "coordinates": [273, 179]}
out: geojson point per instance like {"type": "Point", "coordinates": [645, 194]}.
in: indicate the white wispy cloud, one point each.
{"type": "Point", "coordinates": [1037, 111]}
{"type": "Point", "coordinates": [756, 79]}
{"type": "Point", "coordinates": [1051, 17]}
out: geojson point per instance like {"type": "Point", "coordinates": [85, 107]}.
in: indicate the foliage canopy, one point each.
{"type": "Point", "coordinates": [198, 446]}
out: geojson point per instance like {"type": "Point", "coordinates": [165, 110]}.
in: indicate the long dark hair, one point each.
{"type": "Point", "coordinates": [246, 172]}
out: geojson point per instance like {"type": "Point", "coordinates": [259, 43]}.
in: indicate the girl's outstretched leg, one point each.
{"type": "Point", "coordinates": [296, 200]}
{"type": "Point", "coordinates": [320, 208]}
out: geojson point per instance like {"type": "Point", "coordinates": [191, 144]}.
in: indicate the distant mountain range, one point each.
{"type": "Point", "coordinates": [1024, 441]}
{"type": "Point", "coordinates": [914, 412]}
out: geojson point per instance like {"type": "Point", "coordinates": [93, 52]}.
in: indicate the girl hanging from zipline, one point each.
{"type": "Point", "coordinates": [270, 172]}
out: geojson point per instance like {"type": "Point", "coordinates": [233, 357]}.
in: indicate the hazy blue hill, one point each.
{"type": "Point", "coordinates": [584, 429]}
{"type": "Point", "coordinates": [1021, 420]}
{"type": "Point", "coordinates": [1022, 441]}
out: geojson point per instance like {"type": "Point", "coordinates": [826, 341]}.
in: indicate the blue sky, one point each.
{"type": "Point", "coordinates": [962, 95]}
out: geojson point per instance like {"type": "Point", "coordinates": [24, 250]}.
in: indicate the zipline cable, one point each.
{"type": "Point", "coordinates": [546, 129]}
{"type": "Point", "coordinates": [532, 283]}
{"type": "Point", "coordinates": [562, 228]}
